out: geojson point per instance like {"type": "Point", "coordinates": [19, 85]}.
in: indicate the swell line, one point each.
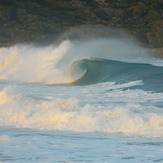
{"type": "Point", "coordinates": [95, 70]}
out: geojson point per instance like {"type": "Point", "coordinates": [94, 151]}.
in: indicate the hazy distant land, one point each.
{"type": "Point", "coordinates": [42, 21]}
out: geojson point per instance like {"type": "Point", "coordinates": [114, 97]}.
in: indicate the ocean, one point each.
{"type": "Point", "coordinates": [97, 100]}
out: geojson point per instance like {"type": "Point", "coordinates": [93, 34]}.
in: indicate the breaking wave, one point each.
{"type": "Point", "coordinates": [59, 114]}
{"type": "Point", "coordinates": [92, 71]}
{"type": "Point", "coordinates": [107, 85]}
{"type": "Point", "coordinates": [80, 63]}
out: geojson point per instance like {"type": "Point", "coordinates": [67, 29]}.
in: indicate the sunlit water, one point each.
{"type": "Point", "coordinates": [117, 119]}
{"type": "Point", "coordinates": [98, 123]}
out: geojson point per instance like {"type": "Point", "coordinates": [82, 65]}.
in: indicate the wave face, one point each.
{"type": "Point", "coordinates": [82, 63]}
{"type": "Point", "coordinates": [93, 71]}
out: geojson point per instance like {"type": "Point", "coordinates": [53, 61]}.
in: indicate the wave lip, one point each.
{"type": "Point", "coordinates": [77, 70]}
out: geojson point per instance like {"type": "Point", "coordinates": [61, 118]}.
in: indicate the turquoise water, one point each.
{"type": "Point", "coordinates": [111, 112]}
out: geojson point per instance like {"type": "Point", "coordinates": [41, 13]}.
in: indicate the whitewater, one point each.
{"type": "Point", "coordinates": [82, 100]}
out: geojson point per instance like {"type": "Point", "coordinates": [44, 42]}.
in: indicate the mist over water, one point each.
{"type": "Point", "coordinates": [50, 64]}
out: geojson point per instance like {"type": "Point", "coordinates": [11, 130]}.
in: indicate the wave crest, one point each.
{"type": "Point", "coordinates": [92, 71]}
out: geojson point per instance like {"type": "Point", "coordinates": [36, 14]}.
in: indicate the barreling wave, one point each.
{"type": "Point", "coordinates": [85, 62]}
{"type": "Point", "coordinates": [95, 70]}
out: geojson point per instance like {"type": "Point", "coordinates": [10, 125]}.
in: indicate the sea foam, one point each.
{"type": "Point", "coordinates": [60, 114]}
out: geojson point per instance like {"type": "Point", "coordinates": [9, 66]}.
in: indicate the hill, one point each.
{"type": "Point", "coordinates": [43, 20]}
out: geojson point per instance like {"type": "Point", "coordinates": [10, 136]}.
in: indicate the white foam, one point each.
{"type": "Point", "coordinates": [32, 64]}
{"type": "Point", "coordinates": [49, 64]}
{"type": "Point", "coordinates": [130, 118]}
{"type": "Point", "coordinates": [5, 96]}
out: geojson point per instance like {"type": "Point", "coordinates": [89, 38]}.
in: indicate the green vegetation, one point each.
{"type": "Point", "coordinates": [42, 20]}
